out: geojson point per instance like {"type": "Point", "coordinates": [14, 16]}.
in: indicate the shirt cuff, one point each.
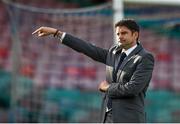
{"type": "Point", "coordinates": [61, 37]}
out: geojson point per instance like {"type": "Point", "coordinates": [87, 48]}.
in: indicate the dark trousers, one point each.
{"type": "Point", "coordinates": [108, 117]}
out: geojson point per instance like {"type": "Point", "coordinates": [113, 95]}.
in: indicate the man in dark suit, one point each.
{"type": "Point", "coordinates": [129, 69]}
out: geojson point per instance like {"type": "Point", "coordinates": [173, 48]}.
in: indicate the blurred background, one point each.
{"type": "Point", "coordinates": [44, 81]}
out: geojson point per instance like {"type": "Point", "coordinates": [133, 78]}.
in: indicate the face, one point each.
{"type": "Point", "coordinates": [126, 37]}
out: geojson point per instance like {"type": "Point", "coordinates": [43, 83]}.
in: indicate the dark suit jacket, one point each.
{"type": "Point", "coordinates": [133, 78]}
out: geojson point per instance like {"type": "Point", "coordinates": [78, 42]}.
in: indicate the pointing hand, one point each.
{"type": "Point", "coordinates": [45, 31]}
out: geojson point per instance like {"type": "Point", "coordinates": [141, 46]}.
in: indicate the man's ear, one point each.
{"type": "Point", "coordinates": [136, 34]}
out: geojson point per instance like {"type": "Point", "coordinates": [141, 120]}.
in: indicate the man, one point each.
{"type": "Point", "coordinates": [126, 80]}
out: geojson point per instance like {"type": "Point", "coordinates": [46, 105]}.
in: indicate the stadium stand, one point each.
{"type": "Point", "coordinates": [53, 77]}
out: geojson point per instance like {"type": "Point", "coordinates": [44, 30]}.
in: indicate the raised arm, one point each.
{"type": "Point", "coordinates": [94, 52]}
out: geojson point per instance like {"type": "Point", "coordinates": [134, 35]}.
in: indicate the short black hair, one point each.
{"type": "Point", "coordinates": [129, 23]}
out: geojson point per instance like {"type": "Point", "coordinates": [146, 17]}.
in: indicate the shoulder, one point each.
{"type": "Point", "coordinates": [145, 52]}
{"type": "Point", "coordinates": [146, 55]}
{"type": "Point", "coordinates": [113, 47]}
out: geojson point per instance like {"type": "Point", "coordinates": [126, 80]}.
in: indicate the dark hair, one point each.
{"type": "Point", "coordinates": [129, 23]}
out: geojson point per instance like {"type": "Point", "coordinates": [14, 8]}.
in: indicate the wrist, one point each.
{"type": "Point", "coordinates": [55, 33]}
{"type": "Point", "coordinates": [59, 33]}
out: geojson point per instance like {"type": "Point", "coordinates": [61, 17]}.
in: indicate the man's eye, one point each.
{"type": "Point", "coordinates": [123, 33]}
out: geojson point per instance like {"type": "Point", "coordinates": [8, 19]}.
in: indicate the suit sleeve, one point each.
{"type": "Point", "coordinates": [92, 51]}
{"type": "Point", "coordinates": [139, 80]}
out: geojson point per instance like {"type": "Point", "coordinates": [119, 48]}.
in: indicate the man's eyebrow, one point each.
{"type": "Point", "coordinates": [122, 32]}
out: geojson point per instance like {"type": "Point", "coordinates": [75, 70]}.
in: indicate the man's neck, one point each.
{"type": "Point", "coordinates": [129, 50]}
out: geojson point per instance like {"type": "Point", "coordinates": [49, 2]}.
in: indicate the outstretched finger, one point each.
{"type": "Point", "coordinates": [36, 31]}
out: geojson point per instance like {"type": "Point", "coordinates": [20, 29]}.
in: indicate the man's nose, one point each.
{"type": "Point", "coordinates": [120, 37]}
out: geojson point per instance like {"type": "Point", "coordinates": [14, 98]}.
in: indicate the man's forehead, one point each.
{"type": "Point", "coordinates": [121, 28]}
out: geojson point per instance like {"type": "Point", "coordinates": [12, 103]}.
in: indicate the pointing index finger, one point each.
{"type": "Point", "coordinates": [36, 31]}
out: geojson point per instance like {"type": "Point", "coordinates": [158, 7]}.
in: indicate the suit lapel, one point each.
{"type": "Point", "coordinates": [109, 71]}
{"type": "Point", "coordinates": [117, 57]}
{"type": "Point", "coordinates": [111, 64]}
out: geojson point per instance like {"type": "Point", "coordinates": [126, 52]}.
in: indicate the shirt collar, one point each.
{"type": "Point", "coordinates": [128, 51]}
